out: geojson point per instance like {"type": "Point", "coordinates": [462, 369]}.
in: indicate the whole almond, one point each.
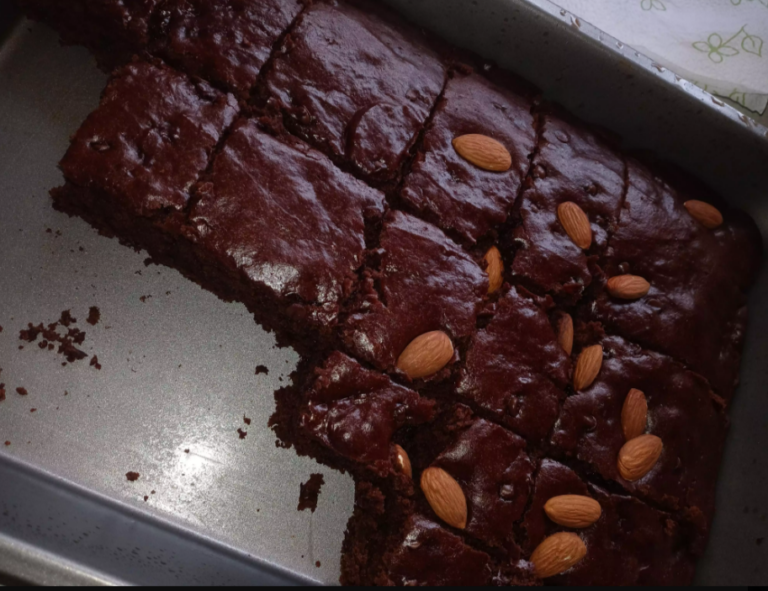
{"type": "Point", "coordinates": [574, 511]}
{"type": "Point", "coordinates": [587, 367]}
{"type": "Point", "coordinates": [634, 415]}
{"type": "Point", "coordinates": [403, 462]}
{"type": "Point", "coordinates": [628, 287]}
{"type": "Point", "coordinates": [426, 355]}
{"type": "Point", "coordinates": [704, 213]}
{"type": "Point", "coordinates": [495, 269]}
{"type": "Point", "coordinates": [576, 224]}
{"type": "Point", "coordinates": [557, 554]}
{"type": "Point", "coordinates": [484, 152]}
{"type": "Point", "coordinates": [445, 497]}
{"type": "Point", "coordinates": [639, 456]}
{"type": "Point", "coordinates": [565, 333]}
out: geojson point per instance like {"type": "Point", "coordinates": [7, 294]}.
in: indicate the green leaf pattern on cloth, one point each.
{"type": "Point", "coordinates": [655, 5]}
{"type": "Point", "coordinates": [718, 49]}
{"type": "Point", "coordinates": [738, 2]}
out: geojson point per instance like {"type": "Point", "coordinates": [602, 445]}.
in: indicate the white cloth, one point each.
{"type": "Point", "coordinates": [720, 45]}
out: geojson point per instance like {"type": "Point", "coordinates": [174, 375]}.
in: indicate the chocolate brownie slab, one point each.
{"type": "Point", "coordinates": [131, 165]}
{"type": "Point", "coordinates": [358, 83]}
{"type": "Point", "coordinates": [114, 30]}
{"type": "Point", "coordinates": [354, 412]}
{"type": "Point", "coordinates": [630, 544]}
{"type": "Point", "coordinates": [515, 368]}
{"type": "Point", "coordinates": [417, 281]}
{"type": "Point", "coordinates": [461, 198]}
{"type": "Point", "coordinates": [681, 410]}
{"type": "Point", "coordinates": [695, 310]}
{"type": "Point", "coordinates": [227, 42]}
{"type": "Point", "coordinates": [574, 165]}
{"type": "Point", "coordinates": [276, 218]}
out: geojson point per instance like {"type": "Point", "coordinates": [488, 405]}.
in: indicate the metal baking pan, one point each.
{"type": "Point", "coordinates": [179, 366]}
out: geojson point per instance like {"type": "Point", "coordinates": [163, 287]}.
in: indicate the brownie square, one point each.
{"type": "Point", "coordinates": [495, 474]}
{"type": "Point", "coordinates": [130, 166]}
{"type": "Point", "coordinates": [417, 281]}
{"type": "Point", "coordinates": [696, 309]}
{"type": "Point", "coordinates": [572, 164]}
{"type": "Point", "coordinates": [515, 368]}
{"type": "Point", "coordinates": [357, 83]}
{"type": "Point", "coordinates": [444, 188]}
{"type": "Point", "coordinates": [279, 219]}
{"type": "Point", "coordinates": [631, 544]}
{"type": "Point", "coordinates": [682, 411]}
{"type": "Point", "coordinates": [224, 41]}
{"type": "Point", "coordinates": [354, 412]}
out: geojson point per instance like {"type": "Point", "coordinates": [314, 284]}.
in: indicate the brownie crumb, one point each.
{"type": "Point", "coordinates": [66, 319]}
{"type": "Point", "coordinates": [318, 564]}
{"type": "Point", "coordinates": [145, 298]}
{"type": "Point", "coordinates": [146, 498]}
{"type": "Point", "coordinates": [246, 420]}
{"type": "Point", "coordinates": [7, 444]}
{"type": "Point", "coordinates": [33, 410]}
{"type": "Point", "coordinates": [22, 391]}
{"type": "Point", "coordinates": [262, 369]}
{"type": "Point", "coordinates": [2, 392]}
{"type": "Point", "coordinates": [94, 315]}
{"type": "Point", "coordinates": [310, 492]}
{"type": "Point", "coordinates": [242, 434]}
{"type": "Point", "coordinates": [186, 451]}
{"type": "Point", "coordinates": [67, 342]}
{"type": "Point", "coordinates": [133, 476]}
{"type": "Point", "coordinates": [95, 362]}
{"type": "Point", "coordinates": [152, 492]}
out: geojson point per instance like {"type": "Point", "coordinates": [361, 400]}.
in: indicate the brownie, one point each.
{"type": "Point", "coordinates": [696, 308]}
{"type": "Point", "coordinates": [278, 219]}
{"type": "Point", "coordinates": [358, 83]}
{"type": "Point", "coordinates": [682, 411]}
{"type": "Point", "coordinates": [130, 166]}
{"type": "Point", "coordinates": [417, 281]}
{"type": "Point", "coordinates": [227, 42]}
{"type": "Point", "coordinates": [573, 163]}
{"type": "Point", "coordinates": [631, 544]}
{"type": "Point", "coordinates": [354, 412]}
{"type": "Point", "coordinates": [114, 30]}
{"type": "Point", "coordinates": [444, 188]}
{"type": "Point", "coordinates": [515, 368]}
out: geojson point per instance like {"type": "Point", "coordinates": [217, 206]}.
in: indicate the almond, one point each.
{"type": "Point", "coordinates": [565, 333]}
{"type": "Point", "coordinates": [557, 554]}
{"type": "Point", "coordinates": [639, 456]}
{"type": "Point", "coordinates": [634, 415]}
{"type": "Point", "coordinates": [426, 355]}
{"type": "Point", "coordinates": [445, 497]}
{"type": "Point", "coordinates": [576, 224]}
{"type": "Point", "coordinates": [628, 287]}
{"type": "Point", "coordinates": [704, 213]}
{"type": "Point", "coordinates": [495, 269]}
{"type": "Point", "coordinates": [573, 511]}
{"type": "Point", "coordinates": [587, 367]}
{"type": "Point", "coordinates": [403, 462]}
{"type": "Point", "coordinates": [484, 152]}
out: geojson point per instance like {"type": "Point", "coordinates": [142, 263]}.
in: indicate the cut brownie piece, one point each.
{"type": "Point", "coordinates": [114, 30]}
{"type": "Point", "coordinates": [572, 164]}
{"type": "Point", "coordinates": [445, 188]}
{"type": "Point", "coordinates": [495, 473]}
{"type": "Point", "coordinates": [695, 310]}
{"type": "Point", "coordinates": [277, 219]}
{"type": "Point", "coordinates": [131, 165]}
{"type": "Point", "coordinates": [631, 543]}
{"type": "Point", "coordinates": [357, 83]}
{"type": "Point", "coordinates": [682, 411]}
{"type": "Point", "coordinates": [224, 41]}
{"type": "Point", "coordinates": [354, 412]}
{"type": "Point", "coordinates": [418, 281]}
{"type": "Point", "coordinates": [515, 368]}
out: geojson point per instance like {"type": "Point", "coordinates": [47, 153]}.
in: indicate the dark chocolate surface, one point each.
{"type": "Point", "coordinates": [574, 164]}
{"type": "Point", "coordinates": [449, 191]}
{"type": "Point", "coordinates": [150, 139]}
{"type": "Point", "coordinates": [418, 281]}
{"type": "Point", "coordinates": [355, 411]}
{"type": "Point", "coordinates": [358, 84]}
{"type": "Point", "coordinates": [682, 411]}
{"type": "Point", "coordinates": [224, 41]}
{"type": "Point", "coordinates": [515, 368]}
{"type": "Point", "coordinates": [286, 219]}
